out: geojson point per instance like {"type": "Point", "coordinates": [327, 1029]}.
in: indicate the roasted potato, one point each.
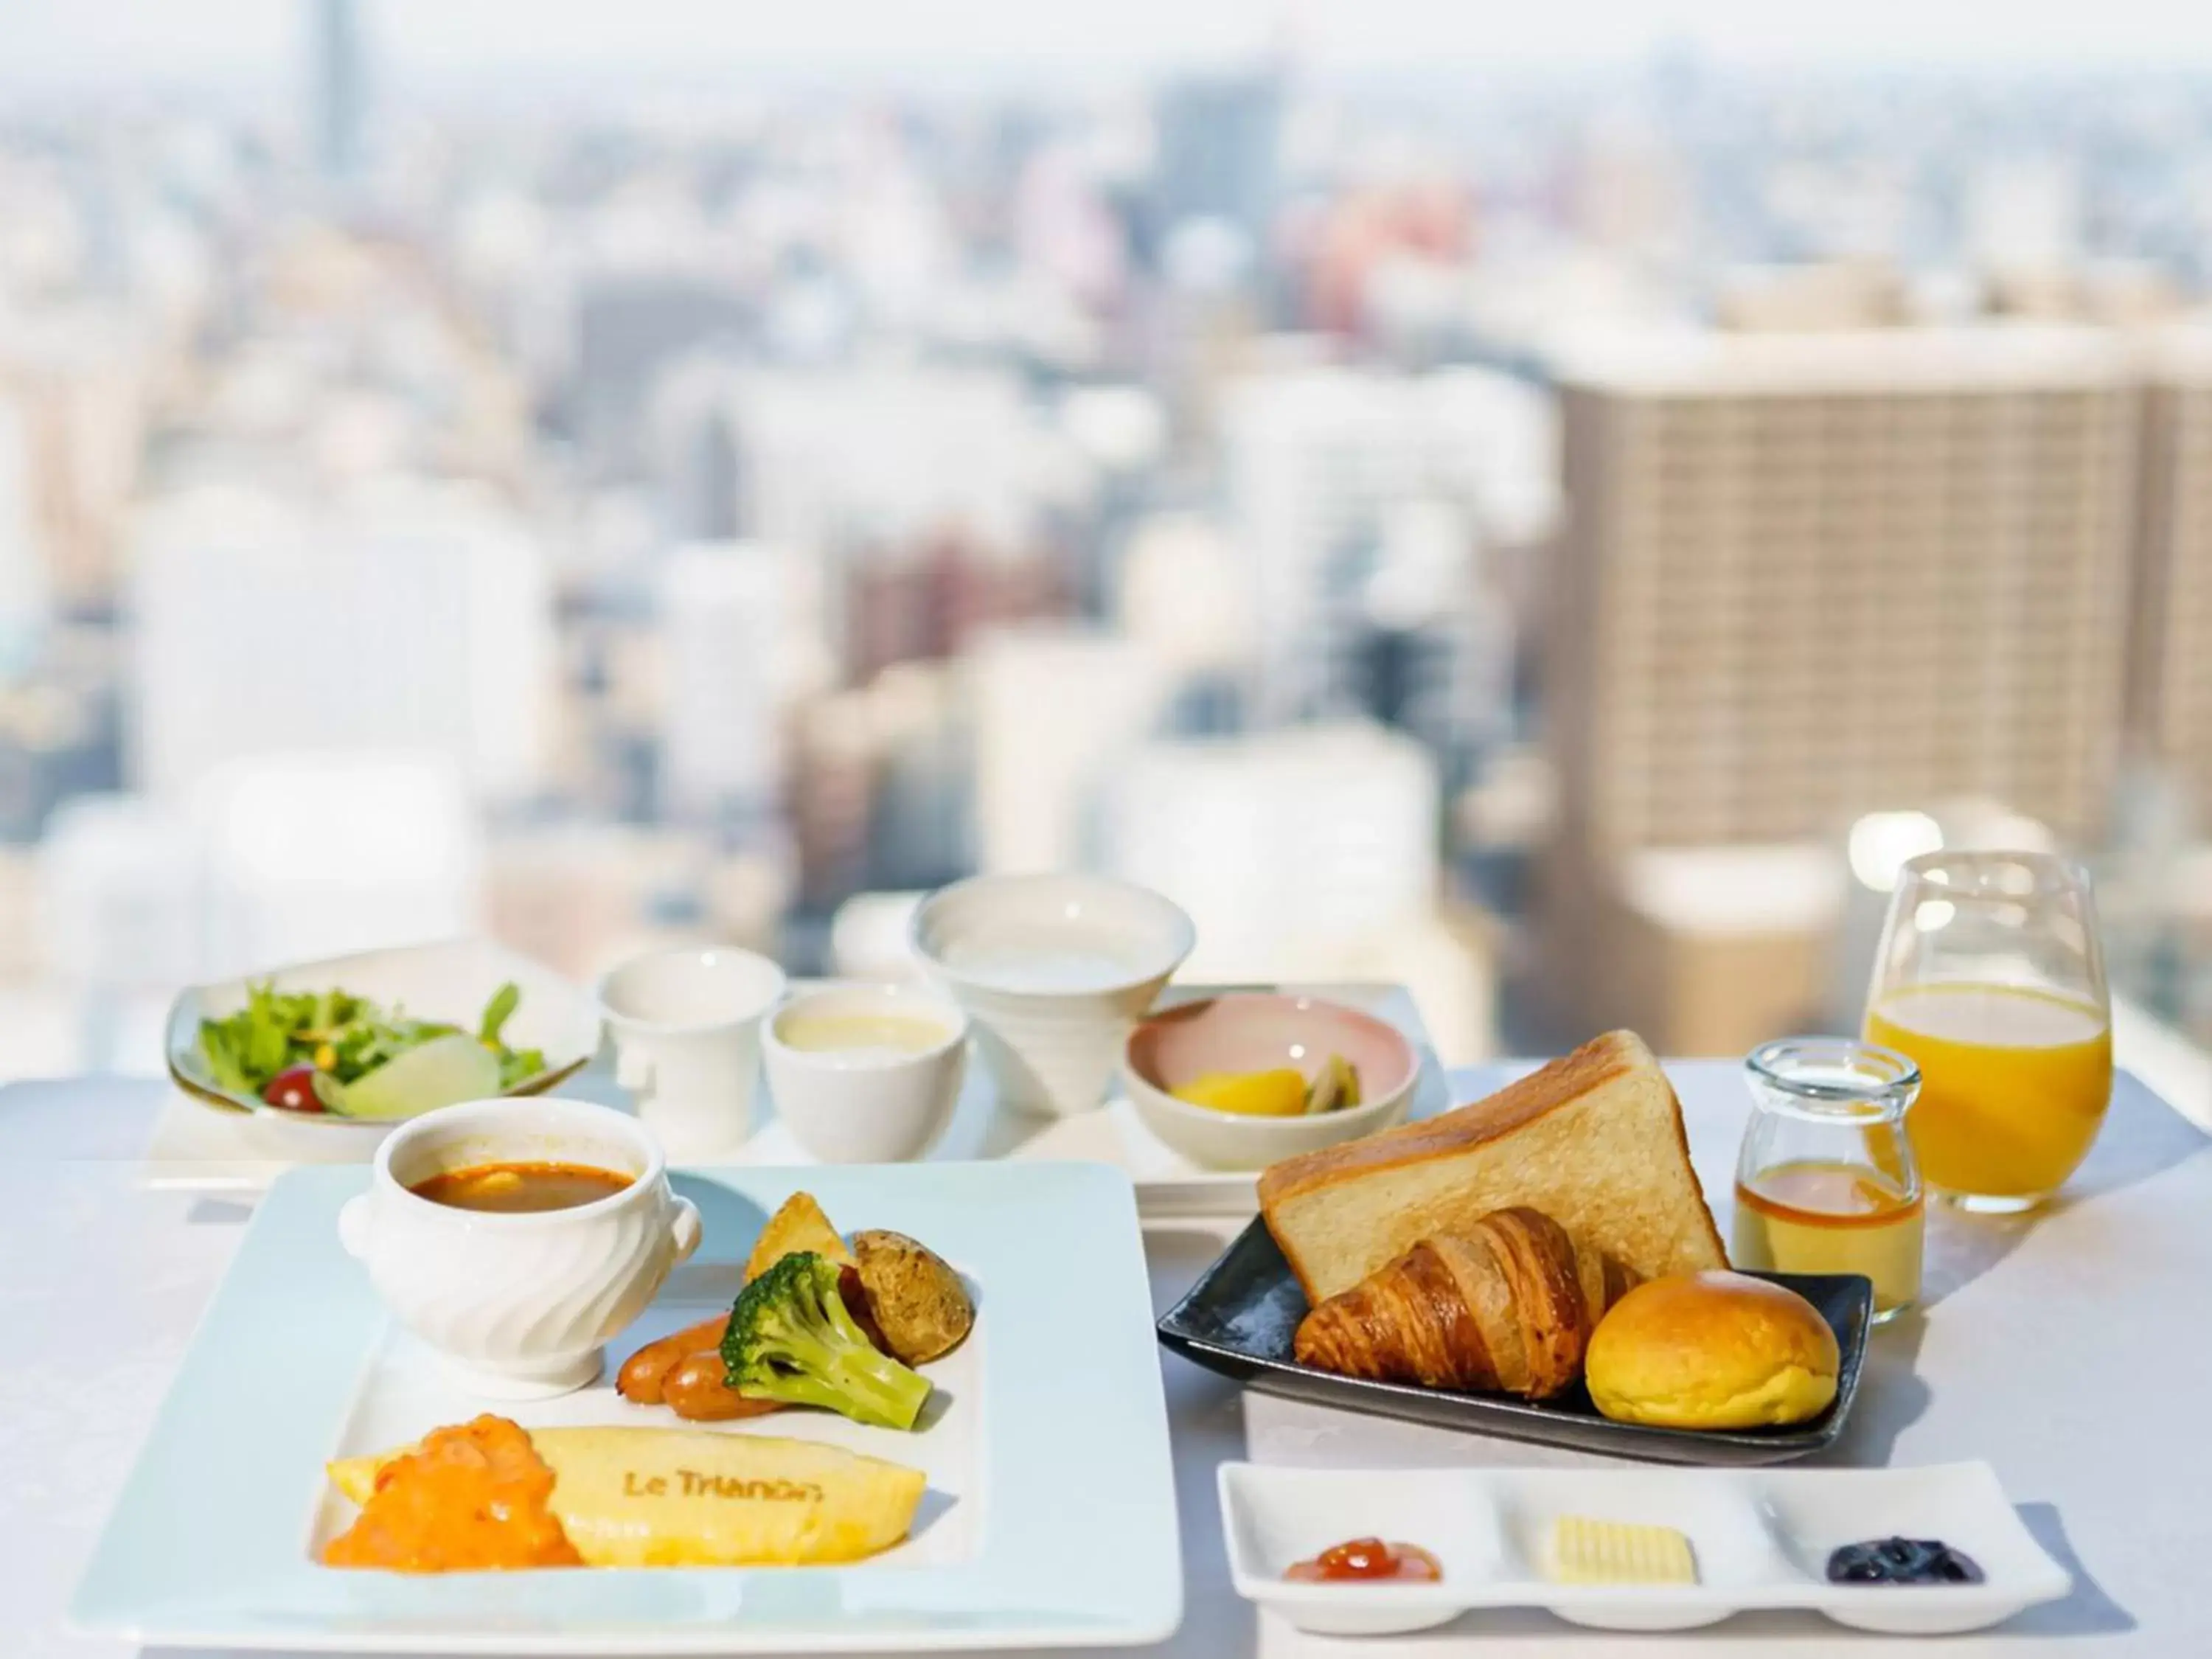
{"type": "Point", "coordinates": [916, 1300]}
{"type": "Point", "coordinates": [799, 1225]}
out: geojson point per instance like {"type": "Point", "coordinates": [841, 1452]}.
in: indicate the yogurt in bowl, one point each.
{"type": "Point", "coordinates": [1054, 970]}
{"type": "Point", "coordinates": [866, 1073]}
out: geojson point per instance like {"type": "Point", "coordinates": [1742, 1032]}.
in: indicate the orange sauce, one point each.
{"type": "Point", "coordinates": [467, 1499]}
{"type": "Point", "coordinates": [520, 1188]}
{"type": "Point", "coordinates": [1368, 1560]}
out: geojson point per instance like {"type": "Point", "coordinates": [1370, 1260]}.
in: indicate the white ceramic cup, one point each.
{"type": "Point", "coordinates": [519, 1305]}
{"type": "Point", "coordinates": [1054, 970]}
{"type": "Point", "coordinates": [872, 1103]}
{"type": "Point", "coordinates": [686, 1025]}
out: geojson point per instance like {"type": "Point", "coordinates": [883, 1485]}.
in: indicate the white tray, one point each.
{"type": "Point", "coordinates": [1761, 1539]}
{"type": "Point", "coordinates": [196, 1148]}
{"type": "Point", "coordinates": [214, 1542]}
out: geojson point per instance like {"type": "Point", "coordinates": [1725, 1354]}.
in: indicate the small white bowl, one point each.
{"type": "Point", "coordinates": [519, 1305]}
{"type": "Point", "coordinates": [1053, 969]}
{"type": "Point", "coordinates": [686, 1024]}
{"type": "Point", "coordinates": [1257, 1031]}
{"type": "Point", "coordinates": [870, 1104]}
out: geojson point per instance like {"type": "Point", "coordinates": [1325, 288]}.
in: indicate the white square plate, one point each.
{"type": "Point", "coordinates": [1049, 1520]}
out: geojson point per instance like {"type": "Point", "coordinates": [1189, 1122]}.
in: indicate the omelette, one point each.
{"type": "Point", "coordinates": [671, 1498]}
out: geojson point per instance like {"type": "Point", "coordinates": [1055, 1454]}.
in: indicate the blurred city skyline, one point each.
{"type": "Point", "coordinates": [1443, 506]}
{"type": "Point", "coordinates": [116, 46]}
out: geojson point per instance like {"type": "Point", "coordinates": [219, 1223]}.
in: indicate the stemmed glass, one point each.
{"type": "Point", "coordinates": [1991, 976]}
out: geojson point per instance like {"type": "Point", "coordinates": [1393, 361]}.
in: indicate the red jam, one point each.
{"type": "Point", "coordinates": [1369, 1560]}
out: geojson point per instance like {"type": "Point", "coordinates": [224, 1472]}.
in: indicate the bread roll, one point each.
{"type": "Point", "coordinates": [1712, 1351]}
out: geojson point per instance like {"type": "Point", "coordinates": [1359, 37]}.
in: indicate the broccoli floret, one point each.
{"type": "Point", "coordinates": [790, 1339]}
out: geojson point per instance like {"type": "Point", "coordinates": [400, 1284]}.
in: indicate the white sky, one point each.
{"type": "Point", "coordinates": [115, 42]}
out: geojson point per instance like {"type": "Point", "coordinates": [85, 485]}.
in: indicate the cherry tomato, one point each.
{"type": "Point", "coordinates": [294, 1090]}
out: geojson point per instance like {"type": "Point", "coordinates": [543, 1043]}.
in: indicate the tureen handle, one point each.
{"type": "Point", "coordinates": [686, 1229]}
{"type": "Point", "coordinates": [353, 1226]}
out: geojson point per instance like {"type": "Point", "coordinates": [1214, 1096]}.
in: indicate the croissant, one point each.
{"type": "Point", "coordinates": [1505, 1304]}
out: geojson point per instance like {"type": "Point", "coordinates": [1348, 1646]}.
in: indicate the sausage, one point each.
{"type": "Point", "coordinates": [699, 1391]}
{"type": "Point", "coordinates": [644, 1375]}
{"type": "Point", "coordinates": [684, 1370]}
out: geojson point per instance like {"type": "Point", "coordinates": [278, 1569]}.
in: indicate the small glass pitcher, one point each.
{"type": "Point", "coordinates": [1826, 1182]}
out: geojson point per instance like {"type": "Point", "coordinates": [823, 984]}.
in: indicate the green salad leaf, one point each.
{"type": "Point", "coordinates": [502, 1004]}
{"type": "Point", "coordinates": [224, 1064]}
{"type": "Point", "coordinates": [345, 1038]}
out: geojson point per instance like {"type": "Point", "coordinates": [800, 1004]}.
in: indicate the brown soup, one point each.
{"type": "Point", "coordinates": [514, 1189]}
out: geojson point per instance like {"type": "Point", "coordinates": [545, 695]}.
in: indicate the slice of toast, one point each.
{"type": "Point", "coordinates": [1595, 1140]}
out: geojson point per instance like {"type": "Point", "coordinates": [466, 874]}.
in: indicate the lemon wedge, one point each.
{"type": "Point", "coordinates": [1278, 1093]}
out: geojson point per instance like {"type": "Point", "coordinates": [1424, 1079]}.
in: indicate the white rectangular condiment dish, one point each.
{"type": "Point", "coordinates": [1761, 1539]}
{"type": "Point", "coordinates": [1049, 1520]}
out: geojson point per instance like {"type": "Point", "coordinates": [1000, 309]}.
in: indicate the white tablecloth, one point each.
{"type": "Point", "coordinates": [2072, 1352]}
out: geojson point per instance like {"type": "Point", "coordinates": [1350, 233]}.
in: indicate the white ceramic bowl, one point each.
{"type": "Point", "coordinates": [686, 1024]}
{"type": "Point", "coordinates": [449, 979]}
{"type": "Point", "coordinates": [1257, 1031]}
{"type": "Point", "coordinates": [519, 1305]}
{"type": "Point", "coordinates": [873, 1103]}
{"type": "Point", "coordinates": [1054, 970]}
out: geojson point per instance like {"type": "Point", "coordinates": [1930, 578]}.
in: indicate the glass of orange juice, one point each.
{"type": "Point", "coordinates": [1991, 978]}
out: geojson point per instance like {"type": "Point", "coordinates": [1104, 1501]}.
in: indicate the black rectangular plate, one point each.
{"type": "Point", "coordinates": [1240, 1317]}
